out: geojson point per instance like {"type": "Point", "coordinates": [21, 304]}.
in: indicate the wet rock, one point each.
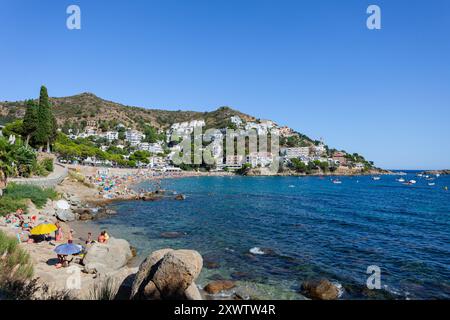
{"type": "Point", "coordinates": [180, 197]}
{"type": "Point", "coordinates": [320, 289]}
{"type": "Point", "coordinates": [85, 216]}
{"type": "Point", "coordinates": [240, 275]}
{"type": "Point", "coordinates": [153, 196]}
{"type": "Point", "coordinates": [219, 285]}
{"type": "Point", "coordinates": [210, 263]}
{"type": "Point", "coordinates": [172, 235]}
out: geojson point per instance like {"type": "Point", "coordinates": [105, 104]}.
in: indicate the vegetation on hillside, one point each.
{"type": "Point", "coordinates": [76, 111]}
{"type": "Point", "coordinates": [15, 197]}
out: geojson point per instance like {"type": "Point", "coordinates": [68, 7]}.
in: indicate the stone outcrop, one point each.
{"type": "Point", "coordinates": [106, 257]}
{"type": "Point", "coordinates": [320, 290]}
{"type": "Point", "coordinates": [180, 197]}
{"type": "Point", "coordinates": [168, 274]}
{"type": "Point", "coordinates": [65, 215]}
{"type": "Point", "coordinates": [218, 286]}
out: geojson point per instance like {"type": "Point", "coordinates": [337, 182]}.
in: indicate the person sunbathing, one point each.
{"type": "Point", "coordinates": [103, 237]}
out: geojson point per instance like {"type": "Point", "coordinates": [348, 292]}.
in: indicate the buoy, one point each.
{"type": "Point", "coordinates": [446, 188]}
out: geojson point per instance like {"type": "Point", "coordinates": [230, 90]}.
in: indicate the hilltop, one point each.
{"type": "Point", "coordinates": [89, 107]}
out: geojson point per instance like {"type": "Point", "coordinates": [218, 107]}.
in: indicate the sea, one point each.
{"type": "Point", "coordinates": [270, 234]}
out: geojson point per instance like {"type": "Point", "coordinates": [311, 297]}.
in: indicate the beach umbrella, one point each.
{"type": "Point", "coordinates": [68, 248]}
{"type": "Point", "coordinates": [63, 205]}
{"type": "Point", "coordinates": [45, 228]}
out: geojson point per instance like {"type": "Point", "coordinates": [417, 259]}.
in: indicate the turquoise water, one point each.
{"type": "Point", "coordinates": [307, 227]}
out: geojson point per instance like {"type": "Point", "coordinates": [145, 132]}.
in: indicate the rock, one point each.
{"type": "Point", "coordinates": [211, 265]}
{"type": "Point", "coordinates": [176, 272]}
{"type": "Point", "coordinates": [240, 275]}
{"type": "Point", "coordinates": [180, 197]}
{"type": "Point", "coordinates": [62, 205]}
{"type": "Point", "coordinates": [106, 257]}
{"type": "Point", "coordinates": [171, 235]}
{"type": "Point", "coordinates": [320, 290]}
{"type": "Point", "coordinates": [219, 285]}
{"type": "Point", "coordinates": [65, 215]}
{"type": "Point", "coordinates": [84, 213]}
{"type": "Point", "coordinates": [168, 274]}
{"type": "Point", "coordinates": [151, 292]}
{"type": "Point", "coordinates": [146, 270]}
{"type": "Point", "coordinates": [110, 212]}
{"type": "Point", "coordinates": [192, 292]}
{"type": "Point", "coordinates": [133, 251]}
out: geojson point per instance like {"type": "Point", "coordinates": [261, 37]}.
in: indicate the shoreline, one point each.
{"type": "Point", "coordinates": [93, 192]}
{"type": "Point", "coordinates": [92, 226]}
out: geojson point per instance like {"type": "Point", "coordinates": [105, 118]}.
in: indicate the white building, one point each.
{"type": "Point", "coordinates": [157, 162]}
{"type": "Point", "coordinates": [262, 159]}
{"type": "Point", "coordinates": [111, 136]}
{"type": "Point", "coordinates": [236, 120]}
{"type": "Point", "coordinates": [134, 137]}
{"type": "Point", "coordinates": [295, 152]}
{"type": "Point", "coordinates": [234, 162]}
{"type": "Point", "coordinates": [155, 148]}
{"type": "Point", "coordinates": [319, 149]}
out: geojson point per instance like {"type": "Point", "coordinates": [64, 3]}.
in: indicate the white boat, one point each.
{"type": "Point", "coordinates": [432, 184]}
{"type": "Point", "coordinates": [337, 181]}
{"type": "Point", "coordinates": [437, 175]}
{"type": "Point", "coordinates": [376, 178]}
{"type": "Point", "coordinates": [412, 181]}
{"type": "Point", "coordinates": [401, 180]}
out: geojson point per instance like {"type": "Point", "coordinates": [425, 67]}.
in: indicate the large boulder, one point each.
{"type": "Point", "coordinates": [320, 290]}
{"type": "Point", "coordinates": [65, 215]}
{"type": "Point", "coordinates": [106, 257]}
{"type": "Point", "coordinates": [168, 274]}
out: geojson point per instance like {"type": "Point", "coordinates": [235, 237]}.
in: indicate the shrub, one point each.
{"type": "Point", "coordinates": [47, 163]}
{"type": "Point", "coordinates": [14, 262]}
{"type": "Point", "coordinates": [9, 205]}
{"type": "Point", "coordinates": [38, 196]}
{"type": "Point", "coordinates": [106, 290]}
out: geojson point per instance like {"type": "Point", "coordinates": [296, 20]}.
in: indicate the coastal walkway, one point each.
{"type": "Point", "coordinates": [59, 173]}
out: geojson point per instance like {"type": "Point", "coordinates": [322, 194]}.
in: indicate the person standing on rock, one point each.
{"type": "Point", "coordinates": [59, 232]}
{"type": "Point", "coordinates": [70, 238]}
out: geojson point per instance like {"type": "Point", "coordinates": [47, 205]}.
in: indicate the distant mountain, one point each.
{"type": "Point", "coordinates": [89, 107]}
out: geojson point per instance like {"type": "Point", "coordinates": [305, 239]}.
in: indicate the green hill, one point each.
{"type": "Point", "coordinates": [89, 107]}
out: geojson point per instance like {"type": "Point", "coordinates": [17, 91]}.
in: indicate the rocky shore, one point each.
{"type": "Point", "coordinates": [164, 274]}
{"type": "Point", "coordinates": [437, 172]}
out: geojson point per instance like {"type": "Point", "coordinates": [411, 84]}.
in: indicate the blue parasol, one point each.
{"type": "Point", "coordinates": [68, 248]}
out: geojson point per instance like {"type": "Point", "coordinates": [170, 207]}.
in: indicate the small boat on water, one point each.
{"type": "Point", "coordinates": [437, 175]}
{"type": "Point", "coordinates": [401, 180]}
{"type": "Point", "coordinates": [431, 184]}
{"type": "Point", "coordinates": [412, 181]}
{"type": "Point", "coordinates": [376, 178]}
{"type": "Point", "coordinates": [337, 181]}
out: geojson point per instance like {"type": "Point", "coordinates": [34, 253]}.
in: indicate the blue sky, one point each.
{"type": "Point", "coordinates": [312, 65]}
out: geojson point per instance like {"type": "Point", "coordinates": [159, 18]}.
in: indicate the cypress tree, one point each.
{"type": "Point", "coordinates": [30, 121]}
{"type": "Point", "coordinates": [44, 120]}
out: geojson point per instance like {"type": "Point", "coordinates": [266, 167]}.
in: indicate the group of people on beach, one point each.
{"type": "Point", "coordinates": [63, 259]}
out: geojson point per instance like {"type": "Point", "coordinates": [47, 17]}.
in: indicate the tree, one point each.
{"type": "Point", "coordinates": [46, 131]}
{"type": "Point", "coordinates": [29, 121]}
{"type": "Point", "coordinates": [44, 120]}
{"type": "Point", "coordinates": [13, 128]}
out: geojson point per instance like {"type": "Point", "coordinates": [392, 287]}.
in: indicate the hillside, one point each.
{"type": "Point", "coordinates": [89, 107]}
